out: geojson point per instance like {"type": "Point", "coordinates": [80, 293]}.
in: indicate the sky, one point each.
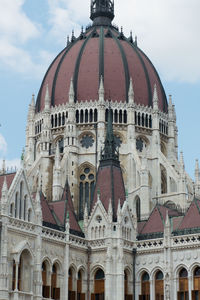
{"type": "Point", "coordinates": [33, 32]}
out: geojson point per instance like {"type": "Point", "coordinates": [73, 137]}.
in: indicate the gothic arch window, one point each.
{"type": "Point", "coordinates": [71, 282]}
{"type": "Point", "coordinates": [59, 119]}
{"type": "Point", "coordinates": [91, 116]}
{"type": "Point", "coordinates": [77, 116]}
{"type": "Point", "coordinates": [21, 199]}
{"type": "Point", "coordinates": [55, 289]}
{"type": "Point", "coordinates": [146, 121]}
{"type": "Point", "coordinates": [159, 285]}
{"type": "Point", "coordinates": [45, 280]}
{"type": "Point", "coordinates": [116, 116]}
{"type": "Point", "coordinates": [86, 189]}
{"type": "Point", "coordinates": [86, 116]}
{"type": "Point", "coordinates": [183, 284]}
{"type": "Point", "coordinates": [80, 294]}
{"type": "Point", "coordinates": [99, 285]}
{"type": "Point", "coordinates": [138, 208]}
{"type": "Point", "coordinates": [120, 116]}
{"type": "Point", "coordinates": [29, 215]}
{"type": "Point", "coordinates": [163, 180]}
{"type": "Point", "coordinates": [145, 286]}
{"type": "Point", "coordinates": [81, 116]}
{"type": "Point", "coordinates": [23, 272]}
{"type": "Point", "coordinates": [142, 120]}
{"type": "Point", "coordinates": [150, 121]}
{"type": "Point", "coordinates": [136, 120]}
{"type": "Point", "coordinates": [16, 204]}
{"type": "Point", "coordinates": [56, 120]}
{"type": "Point", "coordinates": [106, 115]}
{"type": "Point", "coordinates": [95, 115]}
{"type": "Point", "coordinates": [196, 283]}
{"type": "Point", "coordinates": [11, 209]}
{"type": "Point", "coordinates": [125, 117]}
{"type": "Point", "coordinates": [61, 145]}
{"type": "Point", "coordinates": [25, 207]}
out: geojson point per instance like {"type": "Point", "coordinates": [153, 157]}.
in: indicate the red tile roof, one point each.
{"type": "Point", "coordinates": [192, 216]}
{"type": "Point", "coordinates": [9, 180]}
{"type": "Point", "coordinates": [111, 186]}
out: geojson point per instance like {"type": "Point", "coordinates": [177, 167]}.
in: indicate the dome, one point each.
{"type": "Point", "coordinates": [102, 50]}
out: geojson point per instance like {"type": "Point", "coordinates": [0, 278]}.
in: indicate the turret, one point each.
{"type": "Point", "coordinates": [57, 186]}
{"type": "Point", "coordinates": [171, 131]}
{"type": "Point", "coordinates": [4, 194]}
{"type": "Point", "coordinates": [197, 179]}
{"type": "Point", "coordinates": [30, 133]}
{"type": "Point", "coordinates": [102, 12]}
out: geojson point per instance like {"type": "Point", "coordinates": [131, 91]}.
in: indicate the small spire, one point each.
{"type": "Point", "coordinates": [167, 221]}
{"type": "Point", "coordinates": [98, 195]}
{"type": "Point", "coordinates": [57, 157]}
{"type": "Point", "coordinates": [131, 92]}
{"type": "Point", "coordinates": [3, 170]}
{"type": "Point", "coordinates": [86, 213]}
{"type": "Point", "coordinates": [33, 100]}
{"type": "Point", "coordinates": [110, 150]}
{"type": "Point", "coordinates": [73, 37]}
{"type": "Point", "coordinates": [68, 42]}
{"type": "Point", "coordinates": [101, 90]}
{"type": "Point", "coordinates": [170, 100]}
{"type": "Point", "coordinates": [131, 37]}
{"type": "Point", "coordinates": [47, 98]}
{"type": "Point", "coordinates": [136, 41]}
{"type": "Point", "coordinates": [110, 210]}
{"type": "Point", "coordinates": [155, 97]}
{"type": "Point", "coordinates": [197, 172]}
{"type": "Point", "coordinates": [4, 190]}
{"type": "Point", "coordinates": [182, 160]}
{"type": "Point", "coordinates": [71, 92]}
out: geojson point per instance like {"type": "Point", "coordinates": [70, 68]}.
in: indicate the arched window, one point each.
{"type": "Point", "coordinates": [71, 287]}
{"type": "Point", "coordinates": [23, 270]}
{"type": "Point", "coordinates": [77, 116]}
{"type": "Point", "coordinates": [56, 121]}
{"type": "Point", "coordinates": [163, 180]}
{"type": "Point", "coordinates": [55, 290]}
{"type": "Point", "coordinates": [81, 116]}
{"type": "Point", "coordinates": [145, 287]}
{"type": "Point", "coordinates": [63, 119]}
{"type": "Point", "coordinates": [127, 296]}
{"type": "Point", "coordinates": [45, 281]}
{"type": "Point", "coordinates": [86, 189]}
{"type": "Point", "coordinates": [147, 121]}
{"type": "Point", "coordinates": [99, 288]}
{"type": "Point", "coordinates": [52, 121]}
{"type": "Point", "coordinates": [136, 120]}
{"type": "Point", "coordinates": [183, 284]}
{"type": "Point", "coordinates": [91, 115]}
{"type": "Point", "coordinates": [106, 115]}
{"type": "Point", "coordinates": [11, 209]}
{"type": "Point", "coordinates": [138, 208]}
{"type": "Point", "coordinates": [61, 145]}
{"type": "Point", "coordinates": [25, 206]}
{"type": "Point", "coordinates": [120, 116]}
{"type": "Point", "coordinates": [21, 200]}
{"type": "Point", "coordinates": [125, 117]}
{"type": "Point", "coordinates": [80, 294]}
{"type": "Point", "coordinates": [16, 205]}
{"type": "Point", "coordinates": [86, 116]}
{"type": "Point", "coordinates": [59, 119]}
{"type": "Point", "coordinates": [116, 116]}
{"type": "Point", "coordinates": [159, 286]}
{"type": "Point", "coordinates": [95, 115]}
{"type": "Point", "coordinates": [150, 121]}
{"type": "Point", "coordinates": [142, 120]}
{"type": "Point", "coordinates": [196, 283]}
{"type": "Point", "coordinates": [29, 215]}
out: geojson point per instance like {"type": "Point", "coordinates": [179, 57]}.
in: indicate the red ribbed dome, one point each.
{"type": "Point", "coordinates": [102, 51]}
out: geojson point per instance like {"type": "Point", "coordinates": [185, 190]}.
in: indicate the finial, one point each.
{"type": "Point", "coordinates": [71, 92]}
{"type": "Point", "coordinates": [3, 167]}
{"type": "Point", "coordinates": [102, 12]}
{"type": "Point", "coordinates": [68, 42]}
{"type": "Point", "coordinates": [131, 92]}
{"type": "Point", "coordinates": [182, 160]}
{"type": "Point", "coordinates": [155, 97]}
{"type": "Point", "coordinates": [73, 37]}
{"type": "Point", "coordinates": [131, 37]}
{"type": "Point", "coordinates": [4, 190]}
{"type": "Point", "coordinates": [47, 98]}
{"type": "Point", "coordinates": [136, 41]}
{"type": "Point", "coordinates": [197, 172]}
{"type": "Point", "coordinates": [33, 100]}
{"type": "Point", "coordinates": [170, 100]}
{"type": "Point", "coordinates": [101, 90]}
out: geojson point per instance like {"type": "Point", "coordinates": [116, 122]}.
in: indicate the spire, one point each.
{"type": "Point", "coordinates": [102, 12]}
{"type": "Point", "coordinates": [3, 171]}
{"type": "Point", "coordinates": [33, 101]}
{"type": "Point", "coordinates": [110, 150]}
{"type": "Point", "coordinates": [131, 92]}
{"type": "Point", "coordinates": [155, 98]}
{"type": "Point", "coordinates": [119, 212]}
{"type": "Point", "coordinates": [47, 98]}
{"type": "Point", "coordinates": [101, 90]}
{"type": "Point", "coordinates": [71, 92]}
{"type": "Point", "coordinates": [4, 190]}
{"type": "Point", "coordinates": [197, 172]}
{"type": "Point", "coordinates": [57, 157]}
{"type": "Point", "coordinates": [182, 160]}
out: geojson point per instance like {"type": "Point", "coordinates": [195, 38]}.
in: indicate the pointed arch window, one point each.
{"type": "Point", "coordinates": [183, 285]}
{"type": "Point", "coordinates": [196, 283]}
{"type": "Point", "coordinates": [86, 189]}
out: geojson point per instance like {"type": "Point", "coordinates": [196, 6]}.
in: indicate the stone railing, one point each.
{"type": "Point", "coordinates": [186, 240]}
{"type": "Point", "coordinates": [153, 244]}
{"type": "Point", "coordinates": [78, 241]}
{"type": "Point", "coordinates": [55, 235]}
{"type": "Point", "coordinates": [21, 225]}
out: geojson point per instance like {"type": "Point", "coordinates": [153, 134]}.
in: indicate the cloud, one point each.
{"type": "Point", "coordinates": [3, 145]}
{"type": "Point", "coordinates": [11, 165]}
{"type": "Point", "coordinates": [168, 31]}
{"type": "Point", "coordinates": [14, 24]}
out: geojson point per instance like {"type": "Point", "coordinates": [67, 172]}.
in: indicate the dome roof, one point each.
{"type": "Point", "coordinates": [101, 51]}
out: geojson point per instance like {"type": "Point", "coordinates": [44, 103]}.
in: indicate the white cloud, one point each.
{"type": "Point", "coordinates": [168, 31]}
{"type": "Point", "coordinates": [11, 165]}
{"type": "Point", "coordinates": [14, 24]}
{"type": "Point", "coordinates": [3, 145]}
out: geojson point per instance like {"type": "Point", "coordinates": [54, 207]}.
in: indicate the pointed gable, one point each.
{"type": "Point", "coordinates": [109, 181]}
{"type": "Point", "coordinates": [64, 207]}
{"type": "Point", "coordinates": [9, 180]}
{"type": "Point", "coordinates": [192, 216]}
